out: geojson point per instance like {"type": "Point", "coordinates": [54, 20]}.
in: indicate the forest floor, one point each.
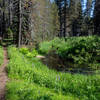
{"type": "Point", "coordinates": [3, 76]}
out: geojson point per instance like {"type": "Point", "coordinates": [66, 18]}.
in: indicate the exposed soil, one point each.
{"type": "Point", "coordinates": [3, 76]}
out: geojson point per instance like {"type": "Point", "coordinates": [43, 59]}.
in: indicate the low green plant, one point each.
{"type": "Point", "coordinates": [34, 53]}
{"type": "Point", "coordinates": [24, 50]}
{"type": "Point", "coordinates": [28, 53]}
{"type": "Point", "coordinates": [21, 90]}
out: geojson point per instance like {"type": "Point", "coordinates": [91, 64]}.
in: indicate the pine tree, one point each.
{"type": "Point", "coordinates": [62, 12]}
{"type": "Point", "coordinates": [97, 17]}
{"type": "Point", "coordinates": [75, 17]}
{"type": "Point", "coordinates": [78, 20]}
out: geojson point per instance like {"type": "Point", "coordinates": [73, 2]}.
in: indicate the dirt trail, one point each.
{"type": "Point", "coordinates": [3, 76]}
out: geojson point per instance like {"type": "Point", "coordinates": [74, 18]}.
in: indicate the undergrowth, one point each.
{"type": "Point", "coordinates": [83, 51]}
{"type": "Point", "coordinates": [38, 77]}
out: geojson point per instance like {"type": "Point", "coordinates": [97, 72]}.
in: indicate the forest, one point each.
{"type": "Point", "coordinates": [49, 49]}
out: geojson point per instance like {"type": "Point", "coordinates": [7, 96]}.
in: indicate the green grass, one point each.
{"type": "Point", "coordinates": [19, 90]}
{"type": "Point", "coordinates": [1, 56]}
{"type": "Point", "coordinates": [31, 70]}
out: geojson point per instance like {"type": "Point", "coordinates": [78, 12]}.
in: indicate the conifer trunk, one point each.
{"type": "Point", "coordinates": [20, 24]}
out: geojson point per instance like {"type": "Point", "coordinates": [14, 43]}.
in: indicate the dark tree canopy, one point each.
{"type": "Point", "coordinates": [32, 20]}
{"type": "Point", "coordinates": [74, 21]}
{"type": "Point", "coordinates": [97, 17]}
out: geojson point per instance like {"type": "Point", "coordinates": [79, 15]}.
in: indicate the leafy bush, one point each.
{"type": "Point", "coordinates": [33, 71]}
{"type": "Point", "coordinates": [24, 50]}
{"type": "Point", "coordinates": [34, 53]}
{"type": "Point", "coordinates": [79, 50]}
{"type": "Point", "coordinates": [45, 47]}
{"type": "Point", "coordinates": [29, 54]}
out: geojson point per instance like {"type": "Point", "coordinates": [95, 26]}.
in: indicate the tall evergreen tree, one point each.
{"type": "Point", "coordinates": [62, 12]}
{"type": "Point", "coordinates": [75, 17]}
{"type": "Point", "coordinates": [97, 17]}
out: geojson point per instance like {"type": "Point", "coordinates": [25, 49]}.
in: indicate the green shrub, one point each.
{"type": "Point", "coordinates": [34, 53]}
{"type": "Point", "coordinates": [29, 54]}
{"type": "Point", "coordinates": [78, 50]}
{"type": "Point", "coordinates": [24, 50]}
{"type": "Point", "coordinates": [45, 47]}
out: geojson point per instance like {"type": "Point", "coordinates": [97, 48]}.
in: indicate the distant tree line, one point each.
{"type": "Point", "coordinates": [39, 20]}
{"type": "Point", "coordinates": [29, 20]}
{"type": "Point", "coordinates": [74, 21]}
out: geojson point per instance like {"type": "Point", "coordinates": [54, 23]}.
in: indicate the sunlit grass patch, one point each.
{"type": "Point", "coordinates": [1, 55]}
{"type": "Point", "coordinates": [20, 90]}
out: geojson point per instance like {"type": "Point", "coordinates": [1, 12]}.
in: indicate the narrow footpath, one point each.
{"type": "Point", "coordinates": [3, 76]}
